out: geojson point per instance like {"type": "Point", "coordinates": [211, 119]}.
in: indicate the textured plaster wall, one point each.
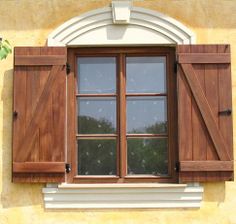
{"type": "Point", "coordinates": [28, 22]}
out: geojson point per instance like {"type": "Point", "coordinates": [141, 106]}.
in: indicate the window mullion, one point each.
{"type": "Point", "coordinates": [122, 116]}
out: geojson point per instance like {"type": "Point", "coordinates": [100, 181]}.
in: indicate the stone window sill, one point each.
{"type": "Point", "coordinates": [100, 196]}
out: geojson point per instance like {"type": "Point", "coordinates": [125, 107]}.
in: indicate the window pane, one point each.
{"type": "Point", "coordinates": [146, 74]}
{"type": "Point", "coordinates": [97, 74]}
{"type": "Point", "coordinates": [97, 157]}
{"type": "Point", "coordinates": [96, 115]}
{"type": "Point", "coordinates": [146, 115]}
{"type": "Point", "coordinates": [147, 156]}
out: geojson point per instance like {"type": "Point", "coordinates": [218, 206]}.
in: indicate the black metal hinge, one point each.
{"type": "Point", "coordinates": [68, 168]}
{"type": "Point", "coordinates": [177, 166]}
{"type": "Point", "coordinates": [67, 68]}
{"type": "Point", "coordinates": [15, 114]}
{"type": "Point", "coordinates": [226, 112]}
{"type": "Point", "coordinates": [176, 67]}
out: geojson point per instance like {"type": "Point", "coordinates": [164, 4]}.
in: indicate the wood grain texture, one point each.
{"type": "Point", "coordinates": [39, 128]}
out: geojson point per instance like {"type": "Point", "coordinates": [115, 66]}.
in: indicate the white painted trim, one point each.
{"type": "Point", "coordinates": [97, 28]}
{"type": "Point", "coordinates": [122, 196]}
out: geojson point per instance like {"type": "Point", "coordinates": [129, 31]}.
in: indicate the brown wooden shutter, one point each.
{"type": "Point", "coordinates": [204, 118]}
{"type": "Point", "coordinates": [39, 114]}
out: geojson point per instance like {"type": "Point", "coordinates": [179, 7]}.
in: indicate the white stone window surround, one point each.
{"type": "Point", "coordinates": [121, 25]}
{"type": "Point", "coordinates": [138, 27]}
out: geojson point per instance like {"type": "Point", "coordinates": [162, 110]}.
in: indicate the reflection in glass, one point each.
{"type": "Point", "coordinates": [97, 157]}
{"type": "Point", "coordinates": [147, 156]}
{"type": "Point", "coordinates": [146, 115]}
{"type": "Point", "coordinates": [96, 115]}
{"type": "Point", "coordinates": [146, 74]}
{"type": "Point", "coordinates": [97, 74]}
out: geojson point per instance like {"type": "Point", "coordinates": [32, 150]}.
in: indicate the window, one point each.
{"type": "Point", "coordinates": [193, 104]}
{"type": "Point", "coordinates": [124, 115]}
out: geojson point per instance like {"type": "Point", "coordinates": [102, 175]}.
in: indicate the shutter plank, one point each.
{"type": "Point", "coordinates": [184, 112]}
{"type": "Point", "coordinates": [212, 96]}
{"type": "Point", "coordinates": [199, 140]}
{"type": "Point", "coordinates": [225, 102]}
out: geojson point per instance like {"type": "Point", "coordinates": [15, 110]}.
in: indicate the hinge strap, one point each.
{"type": "Point", "coordinates": [68, 68]}
{"type": "Point", "coordinates": [176, 67]}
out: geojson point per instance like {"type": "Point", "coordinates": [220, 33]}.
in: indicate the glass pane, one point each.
{"type": "Point", "coordinates": [147, 156]}
{"type": "Point", "coordinates": [96, 115]}
{"type": "Point", "coordinates": [146, 115]}
{"type": "Point", "coordinates": [97, 157]}
{"type": "Point", "coordinates": [97, 74]}
{"type": "Point", "coordinates": [146, 74]}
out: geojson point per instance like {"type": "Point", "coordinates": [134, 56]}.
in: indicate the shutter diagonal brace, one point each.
{"type": "Point", "coordinates": [37, 114]}
{"type": "Point", "coordinates": [205, 111]}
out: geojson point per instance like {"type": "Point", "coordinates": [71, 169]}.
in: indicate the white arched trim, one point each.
{"type": "Point", "coordinates": [97, 28]}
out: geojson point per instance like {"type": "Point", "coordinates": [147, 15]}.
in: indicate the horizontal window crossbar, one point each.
{"type": "Point", "coordinates": [146, 135]}
{"type": "Point", "coordinates": [146, 94]}
{"type": "Point", "coordinates": [96, 95]}
{"type": "Point", "coordinates": [95, 136]}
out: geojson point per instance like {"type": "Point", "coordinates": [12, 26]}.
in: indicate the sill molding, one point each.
{"type": "Point", "coordinates": [103, 196]}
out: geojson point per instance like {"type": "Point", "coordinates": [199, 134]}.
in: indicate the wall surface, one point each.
{"type": "Point", "coordinates": [28, 23]}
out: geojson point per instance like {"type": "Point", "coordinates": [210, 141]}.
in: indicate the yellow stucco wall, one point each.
{"type": "Point", "coordinates": [28, 22]}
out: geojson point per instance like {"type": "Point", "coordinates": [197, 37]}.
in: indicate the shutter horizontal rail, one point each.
{"type": "Point", "coordinates": [206, 165]}
{"type": "Point", "coordinates": [40, 60]}
{"type": "Point", "coordinates": [203, 58]}
{"type": "Point", "coordinates": [39, 167]}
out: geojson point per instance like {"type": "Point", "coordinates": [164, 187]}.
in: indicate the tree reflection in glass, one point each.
{"type": "Point", "coordinates": [147, 156]}
{"type": "Point", "coordinates": [97, 157]}
{"type": "Point", "coordinates": [146, 115]}
{"type": "Point", "coordinates": [96, 115]}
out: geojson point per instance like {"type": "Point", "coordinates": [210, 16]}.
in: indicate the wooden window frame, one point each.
{"type": "Point", "coordinates": [120, 53]}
